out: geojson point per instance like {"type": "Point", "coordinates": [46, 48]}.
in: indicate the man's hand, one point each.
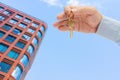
{"type": "Point", "coordinates": [86, 19]}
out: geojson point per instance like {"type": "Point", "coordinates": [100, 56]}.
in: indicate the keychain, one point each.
{"type": "Point", "coordinates": [70, 21]}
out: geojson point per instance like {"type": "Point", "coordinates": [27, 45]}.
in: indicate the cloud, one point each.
{"type": "Point", "coordinates": [52, 2]}
{"type": "Point", "coordinates": [73, 2]}
{"type": "Point", "coordinates": [62, 3]}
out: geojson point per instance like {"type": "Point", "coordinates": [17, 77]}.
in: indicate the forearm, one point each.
{"type": "Point", "coordinates": [109, 28]}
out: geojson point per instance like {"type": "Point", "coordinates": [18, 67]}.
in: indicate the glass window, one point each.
{"type": "Point", "coordinates": [26, 37]}
{"type": "Point", "coordinates": [2, 18]}
{"type": "Point", "coordinates": [30, 49]}
{"type": "Point", "coordinates": [42, 28]}
{"type": "Point", "coordinates": [1, 8]}
{"type": "Point", "coordinates": [22, 25]}
{"type": "Point", "coordinates": [1, 34]}
{"type": "Point", "coordinates": [12, 54]}
{"type": "Point", "coordinates": [7, 13]}
{"type": "Point", "coordinates": [13, 21]}
{"type": "Point", "coordinates": [30, 30]}
{"type": "Point", "coordinates": [17, 72]}
{"type": "Point", "coordinates": [16, 31]}
{"type": "Point", "coordinates": [10, 39]}
{"type": "Point", "coordinates": [4, 67]}
{"type": "Point", "coordinates": [24, 60]}
{"type": "Point", "coordinates": [18, 16]}
{"type": "Point", "coordinates": [35, 24]}
{"type": "Point", "coordinates": [27, 20]}
{"type": "Point", "coordinates": [35, 41]}
{"type": "Point", "coordinates": [39, 34]}
{"type": "Point", "coordinates": [3, 47]}
{"type": "Point", "coordinates": [6, 27]}
{"type": "Point", "coordinates": [20, 45]}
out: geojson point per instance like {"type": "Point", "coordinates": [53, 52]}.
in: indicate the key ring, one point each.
{"type": "Point", "coordinates": [69, 14]}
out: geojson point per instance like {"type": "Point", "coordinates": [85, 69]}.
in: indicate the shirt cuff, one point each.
{"type": "Point", "coordinates": [109, 28]}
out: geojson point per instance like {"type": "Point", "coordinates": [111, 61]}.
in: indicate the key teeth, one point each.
{"type": "Point", "coordinates": [70, 35]}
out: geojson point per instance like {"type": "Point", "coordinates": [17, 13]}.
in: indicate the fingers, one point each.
{"type": "Point", "coordinates": [63, 28]}
{"type": "Point", "coordinates": [61, 16]}
{"type": "Point", "coordinates": [68, 9]}
{"type": "Point", "coordinates": [62, 21]}
{"type": "Point", "coordinates": [59, 23]}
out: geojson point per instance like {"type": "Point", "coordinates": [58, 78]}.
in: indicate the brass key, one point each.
{"type": "Point", "coordinates": [70, 22]}
{"type": "Point", "coordinates": [71, 26]}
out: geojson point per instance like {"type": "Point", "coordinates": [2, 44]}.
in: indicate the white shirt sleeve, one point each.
{"type": "Point", "coordinates": [109, 28]}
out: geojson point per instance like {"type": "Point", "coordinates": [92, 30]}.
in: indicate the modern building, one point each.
{"type": "Point", "coordinates": [20, 37]}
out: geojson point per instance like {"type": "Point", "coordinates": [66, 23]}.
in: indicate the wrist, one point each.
{"type": "Point", "coordinates": [99, 21]}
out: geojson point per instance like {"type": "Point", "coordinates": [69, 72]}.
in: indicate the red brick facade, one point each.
{"type": "Point", "coordinates": [18, 37]}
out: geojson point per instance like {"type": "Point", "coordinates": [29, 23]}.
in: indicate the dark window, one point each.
{"type": "Point", "coordinates": [39, 34]}
{"type": "Point", "coordinates": [30, 49]}
{"type": "Point", "coordinates": [1, 34]}
{"type": "Point", "coordinates": [16, 31]}
{"type": "Point", "coordinates": [24, 60]}
{"type": "Point", "coordinates": [10, 39]}
{"type": "Point", "coordinates": [6, 27]}
{"type": "Point", "coordinates": [13, 21]}
{"type": "Point", "coordinates": [26, 37]}
{"type": "Point", "coordinates": [20, 45]}
{"type": "Point", "coordinates": [1, 8]}
{"type": "Point", "coordinates": [22, 25]}
{"type": "Point", "coordinates": [2, 18]}
{"type": "Point", "coordinates": [27, 20]}
{"type": "Point", "coordinates": [17, 72]}
{"type": "Point", "coordinates": [7, 13]}
{"type": "Point", "coordinates": [3, 47]}
{"type": "Point", "coordinates": [4, 67]}
{"type": "Point", "coordinates": [18, 16]}
{"type": "Point", "coordinates": [12, 54]}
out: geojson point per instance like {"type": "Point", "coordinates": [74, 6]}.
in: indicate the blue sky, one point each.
{"type": "Point", "coordinates": [84, 57]}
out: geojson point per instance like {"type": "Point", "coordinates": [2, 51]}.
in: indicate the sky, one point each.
{"type": "Point", "coordinates": [84, 57]}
